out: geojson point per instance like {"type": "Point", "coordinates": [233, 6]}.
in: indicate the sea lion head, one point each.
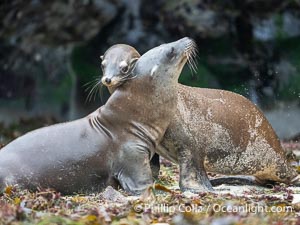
{"type": "Point", "coordinates": [172, 56]}
{"type": "Point", "coordinates": [117, 64]}
{"type": "Point", "coordinates": [167, 60]}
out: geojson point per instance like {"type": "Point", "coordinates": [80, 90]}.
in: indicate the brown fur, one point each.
{"type": "Point", "coordinates": [222, 132]}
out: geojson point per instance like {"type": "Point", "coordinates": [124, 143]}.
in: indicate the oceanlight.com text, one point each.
{"type": "Point", "coordinates": [194, 208]}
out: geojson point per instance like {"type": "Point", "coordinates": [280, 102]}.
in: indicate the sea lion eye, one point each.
{"type": "Point", "coordinates": [172, 50]}
{"type": "Point", "coordinates": [124, 67]}
{"type": "Point", "coordinates": [171, 53]}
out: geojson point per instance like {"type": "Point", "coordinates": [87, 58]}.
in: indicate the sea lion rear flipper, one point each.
{"type": "Point", "coordinates": [235, 180]}
{"type": "Point", "coordinates": [193, 176]}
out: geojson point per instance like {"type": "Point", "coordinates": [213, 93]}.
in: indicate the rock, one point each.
{"type": "Point", "coordinates": [196, 16]}
{"type": "Point", "coordinates": [37, 39]}
{"type": "Point", "coordinates": [225, 220]}
{"type": "Point", "coordinates": [285, 119]}
{"type": "Point", "coordinates": [278, 25]}
{"type": "Point", "coordinates": [55, 22]}
{"type": "Point", "coordinates": [112, 195]}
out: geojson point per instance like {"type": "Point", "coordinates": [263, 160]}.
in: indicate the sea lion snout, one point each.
{"type": "Point", "coordinates": [186, 50]}
{"type": "Point", "coordinates": [168, 59]}
{"type": "Point", "coordinates": [107, 80]}
{"type": "Point", "coordinates": [185, 45]}
{"type": "Point", "coordinates": [111, 79]}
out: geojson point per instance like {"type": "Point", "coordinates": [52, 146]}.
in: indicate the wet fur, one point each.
{"type": "Point", "coordinates": [222, 132]}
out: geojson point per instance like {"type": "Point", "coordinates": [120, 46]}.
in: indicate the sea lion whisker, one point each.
{"type": "Point", "coordinates": [101, 87]}
{"type": "Point", "coordinates": [191, 63]}
{"type": "Point", "coordinates": [193, 59]}
{"type": "Point", "coordinates": [191, 66]}
{"type": "Point", "coordinates": [91, 92]}
{"type": "Point", "coordinates": [194, 52]}
{"type": "Point", "coordinates": [92, 81]}
{"type": "Point", "coordinates": [189, 46]}
{"type": "Point", "coordinates": [195, 65]}
{"type": "Point", "coordinates": [88, 97]}
{"type": "Point", "coordinates": [91, 84]}
{"type": "Point", "coordinates": [191, 54]}
{"type": "Point", "coordinates": [88, 83]}
{"type": "Point", "coordinates": [97, 92]}
{"type": "Point", "coordinates": [190, 50]}
{"type": "Point", "coordinates": [89, 87]}
{"type": "Point", "coordinates": [193, 43]}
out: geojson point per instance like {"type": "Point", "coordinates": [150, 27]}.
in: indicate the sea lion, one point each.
{"type": "Point", "coordinates": [217, 131]}
{"type": "Point", "coordinates": [113, 143]}
{"type": "Point", "coordinates": [118, 62]}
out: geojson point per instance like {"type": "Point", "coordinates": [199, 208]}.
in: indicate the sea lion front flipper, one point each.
{"type": "Point", "coordinates": [193, 176]}
{"type": "Point", "coordinates": [134, 172]}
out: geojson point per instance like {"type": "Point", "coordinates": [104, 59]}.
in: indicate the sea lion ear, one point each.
{"type": "Point", "coordinates": [133, 62]}
{"type": "Point", "coordinates": [101, 57]}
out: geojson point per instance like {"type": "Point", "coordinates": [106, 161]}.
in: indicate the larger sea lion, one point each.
{"type": "Point", "coordinates": [113, 143]}
{"type": "Point", "coordinates": [212, 130]}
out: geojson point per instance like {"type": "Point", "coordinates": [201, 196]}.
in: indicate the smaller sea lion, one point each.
{"type": "Point", "coordinates": [217, 131]}
{"type": "Point", "coordinates": [117, 65]}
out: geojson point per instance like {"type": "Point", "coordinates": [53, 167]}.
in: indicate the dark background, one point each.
{"type": "Point", "coordinates": [50, 49]}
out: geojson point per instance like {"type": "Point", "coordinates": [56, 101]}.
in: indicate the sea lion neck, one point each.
{"type": "Point", "coordinates": [138, 105]}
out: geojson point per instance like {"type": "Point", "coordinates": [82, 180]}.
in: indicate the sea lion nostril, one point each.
{"type": "Point", "coordinates": [107, 80]}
